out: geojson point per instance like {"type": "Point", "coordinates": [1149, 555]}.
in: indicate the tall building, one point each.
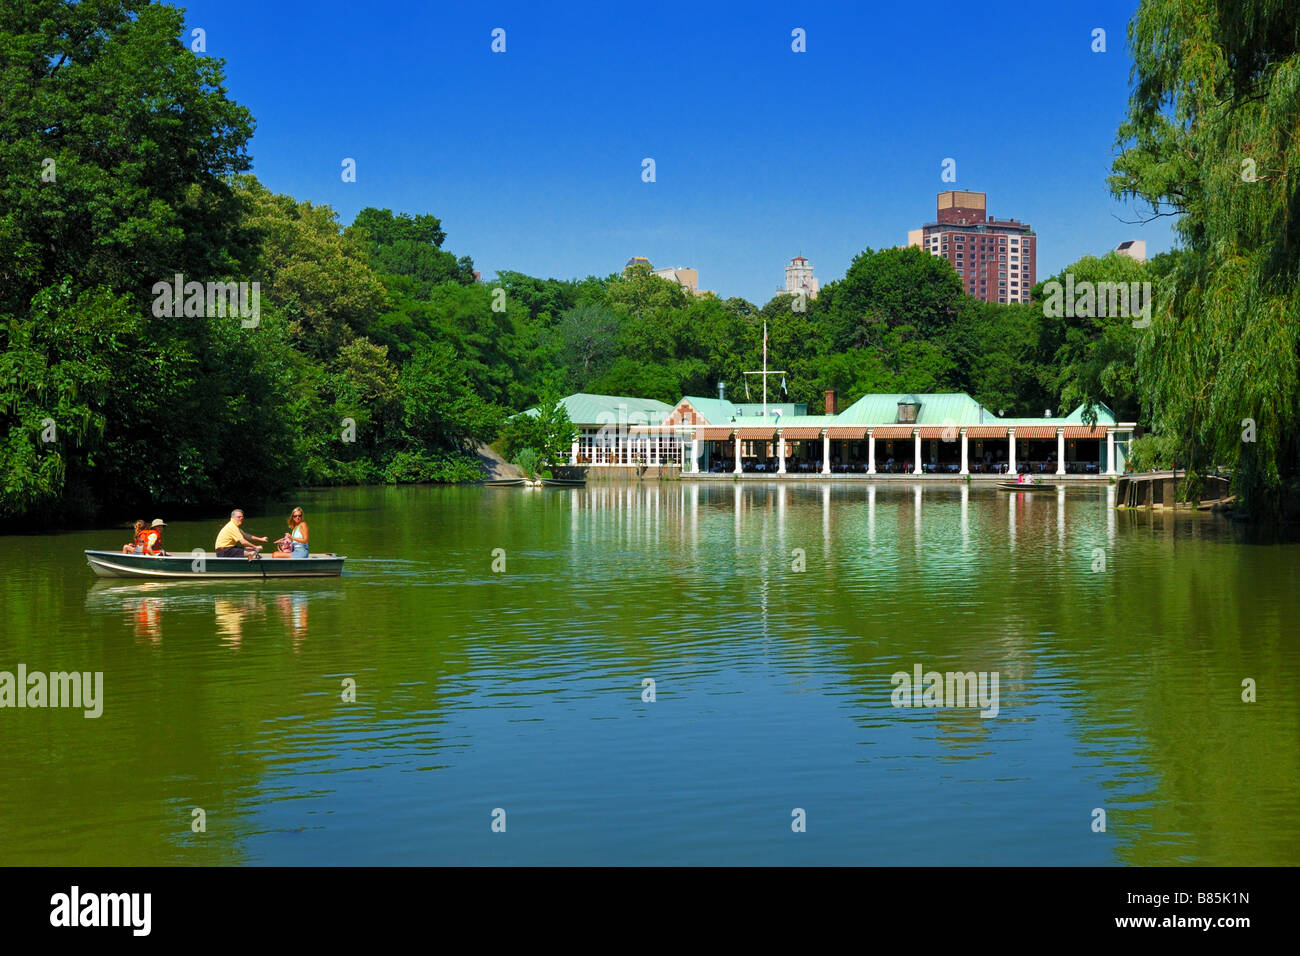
{"type": "Point", "coordinates": [799, 276]}
{"type": "Point", "coordinates": [995, 258]}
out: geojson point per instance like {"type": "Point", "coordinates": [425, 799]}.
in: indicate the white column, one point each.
{"type": "Point", "coordinates": [1110, 451]}
{"type": "Point", "coordinates": [737, 468]}
{"type": "Point", "coordinates": [780, 451]}
{"type": "Point", "coordinates": [573, 453]}
{"type": "Point", "coordinates": [1011, 451]}
{"type": "Point", "coordinates": [826, 452]}
{"type": "Point", "coordinates": [695, 455]}
{"type": "Point", "coordinates": [1060, 451]}
{"type": "Point", "coordinates": [871, 453]}
{"type": "Point", "coordinates": [965, 470]}
{"type": "Point", "coordinates": [916, 443]}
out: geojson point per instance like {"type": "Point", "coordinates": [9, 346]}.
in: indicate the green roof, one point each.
{"type": "Point", "coordinates": [719, 411]}
{"type": "Point", "coordinates": [938, 408]}
{"type": "Point", "coordinates": [585, 409]}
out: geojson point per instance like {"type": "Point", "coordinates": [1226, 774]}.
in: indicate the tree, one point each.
{"type": "Point", "coordinates": [889, 289]}
{"type": "Point", "coordinates": [545, 431]}
{"type": "Point", "coordinates": [1208, 138]}
{"type": "Point", "coordinates": [320, 277]}
{"type": "Point", "coordinates": [409, 247]}
{"type": "Point", "coordinates": [588, 333]}
{"type": "Point", "coordinates": [116, 142]}
{"type": "Point", "coordinates": [1092, 358]}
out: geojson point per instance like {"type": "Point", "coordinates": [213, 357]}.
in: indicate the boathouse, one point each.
{"type": "Point", "coordinates": [881, 434]}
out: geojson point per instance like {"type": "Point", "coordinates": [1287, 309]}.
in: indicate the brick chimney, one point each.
{"type": "Point", "coordinates": [831, 408]}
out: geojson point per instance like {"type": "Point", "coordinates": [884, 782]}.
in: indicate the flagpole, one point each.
{"type": "Point", "coordinates": [765, 370]}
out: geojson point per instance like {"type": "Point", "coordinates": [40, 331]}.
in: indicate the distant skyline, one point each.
{"type": "Point", "coordinates": [532, 158]}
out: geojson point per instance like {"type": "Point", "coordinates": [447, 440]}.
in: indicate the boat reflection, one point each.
{"type": "Point", "coordinates": [146, 606]}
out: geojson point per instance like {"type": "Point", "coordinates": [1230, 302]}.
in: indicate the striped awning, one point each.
{"type": "Point", "coordinates": [1035, 431]}
{"type": "Point", "coordinates": [714, 432]}
{"type": "Point", "coordinates": [1083, 431]}
{"type": "Point", "coordinates": [847, 431]}
{"type": "Point", "coordinates": [764, 431]}
{"type": "Point", "coordinates": [652, 430]}
{"type": "Point", "coordinates": [950, 432]}
{"type": "Point", "coordinates": [892, 431]}
{"type": "Point", "coordinates": [986, 431]}
{"type": "Point", "coordinates": [802, 432]}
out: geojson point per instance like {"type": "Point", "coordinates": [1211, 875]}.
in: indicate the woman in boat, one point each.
{"type": "Point", "coordinates": [298, 534]}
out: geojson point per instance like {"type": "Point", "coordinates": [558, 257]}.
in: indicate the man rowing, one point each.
{"type": "Point", "coordinates": [233, 543]}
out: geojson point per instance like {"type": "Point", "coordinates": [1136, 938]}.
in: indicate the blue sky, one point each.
{"type": "Point", "coordinates": [532, 158]}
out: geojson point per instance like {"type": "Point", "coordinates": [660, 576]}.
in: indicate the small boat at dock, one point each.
{"type": "Point", "coordinates": [207, 566]}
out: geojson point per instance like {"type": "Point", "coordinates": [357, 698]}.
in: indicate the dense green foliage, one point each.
{"type": "Point", "coordinates": [1210, 137]}
{"type": "Point", "coordinates": [546, 432]}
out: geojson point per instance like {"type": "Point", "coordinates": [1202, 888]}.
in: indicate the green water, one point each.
{"type": "Point", "coordinates": [1120, 687]}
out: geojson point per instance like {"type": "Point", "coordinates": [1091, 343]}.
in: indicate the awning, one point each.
{"type": "Point", "coordinates": [950, 432]}
{"type": "Point", "coordinates": [766, 431]}
{"type": "Point", "coordinates": [892, 431]}
{"type": "Point", "coordinates": [652, 430]}
{"type": "Point", "coordinates": [1035, 431]}
{"type": "Point", "coordinates": [1083, 431]}
{"type": "Point", "coordinates": [714, 433]}
{"type": "Point", "coordinates": [847, 431]}
{"type": "Point", "coordinates": [986, 431]}
{"type": "Point", "coordinates": [802, 432]}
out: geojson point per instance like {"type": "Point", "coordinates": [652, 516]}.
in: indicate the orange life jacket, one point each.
{"type": "Point", "coordinates": [147, 539]}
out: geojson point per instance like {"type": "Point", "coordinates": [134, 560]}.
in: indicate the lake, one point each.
{"type": "Point", "coordinates": [502, 643]}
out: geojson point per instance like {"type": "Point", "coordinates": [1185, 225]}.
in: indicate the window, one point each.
{"type": "Point", "coordinates": [1002, 282]}
{"type": "Point", "coordinates": [1003, 300]}
{"type": "Point", "coordinates": [1015, 242]}
{"type": "Point", "coordinates": [1002, 258]}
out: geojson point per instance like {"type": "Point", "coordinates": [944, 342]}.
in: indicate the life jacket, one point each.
{"type": "Point", "coordinates": [148, 538]}
{"type": "Point", "coordinates": [141, 538]}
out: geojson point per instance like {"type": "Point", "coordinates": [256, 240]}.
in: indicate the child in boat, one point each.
{"type": "Point", "coordinates": [135, 546]}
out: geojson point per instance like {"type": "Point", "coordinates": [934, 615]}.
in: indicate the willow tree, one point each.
{"type": "Point", "coordinates": [1211, 137]}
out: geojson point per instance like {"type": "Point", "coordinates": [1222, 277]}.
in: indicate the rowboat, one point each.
{"type": "Point", "coordinates": [206, 565]}
{"type": "Point", "coordinates": [1019, 486]}
{"type": "Point", "coordinates": [564, 482]}
{"type": "Point", "coordinates": [506, 482]}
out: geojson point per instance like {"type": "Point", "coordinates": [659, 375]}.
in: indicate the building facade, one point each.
{"type": "Point", "coordinates": [996, 259]}
{"type": "Point", "coordinates": [1135, 249]}
{"type": "Point", "coordinates": [940, 434]}
{"type": "Point", "coordinates": [799, 278]}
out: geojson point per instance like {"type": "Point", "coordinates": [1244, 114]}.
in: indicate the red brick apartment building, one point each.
{"type": "Point", "coordinates": [996, 258]}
